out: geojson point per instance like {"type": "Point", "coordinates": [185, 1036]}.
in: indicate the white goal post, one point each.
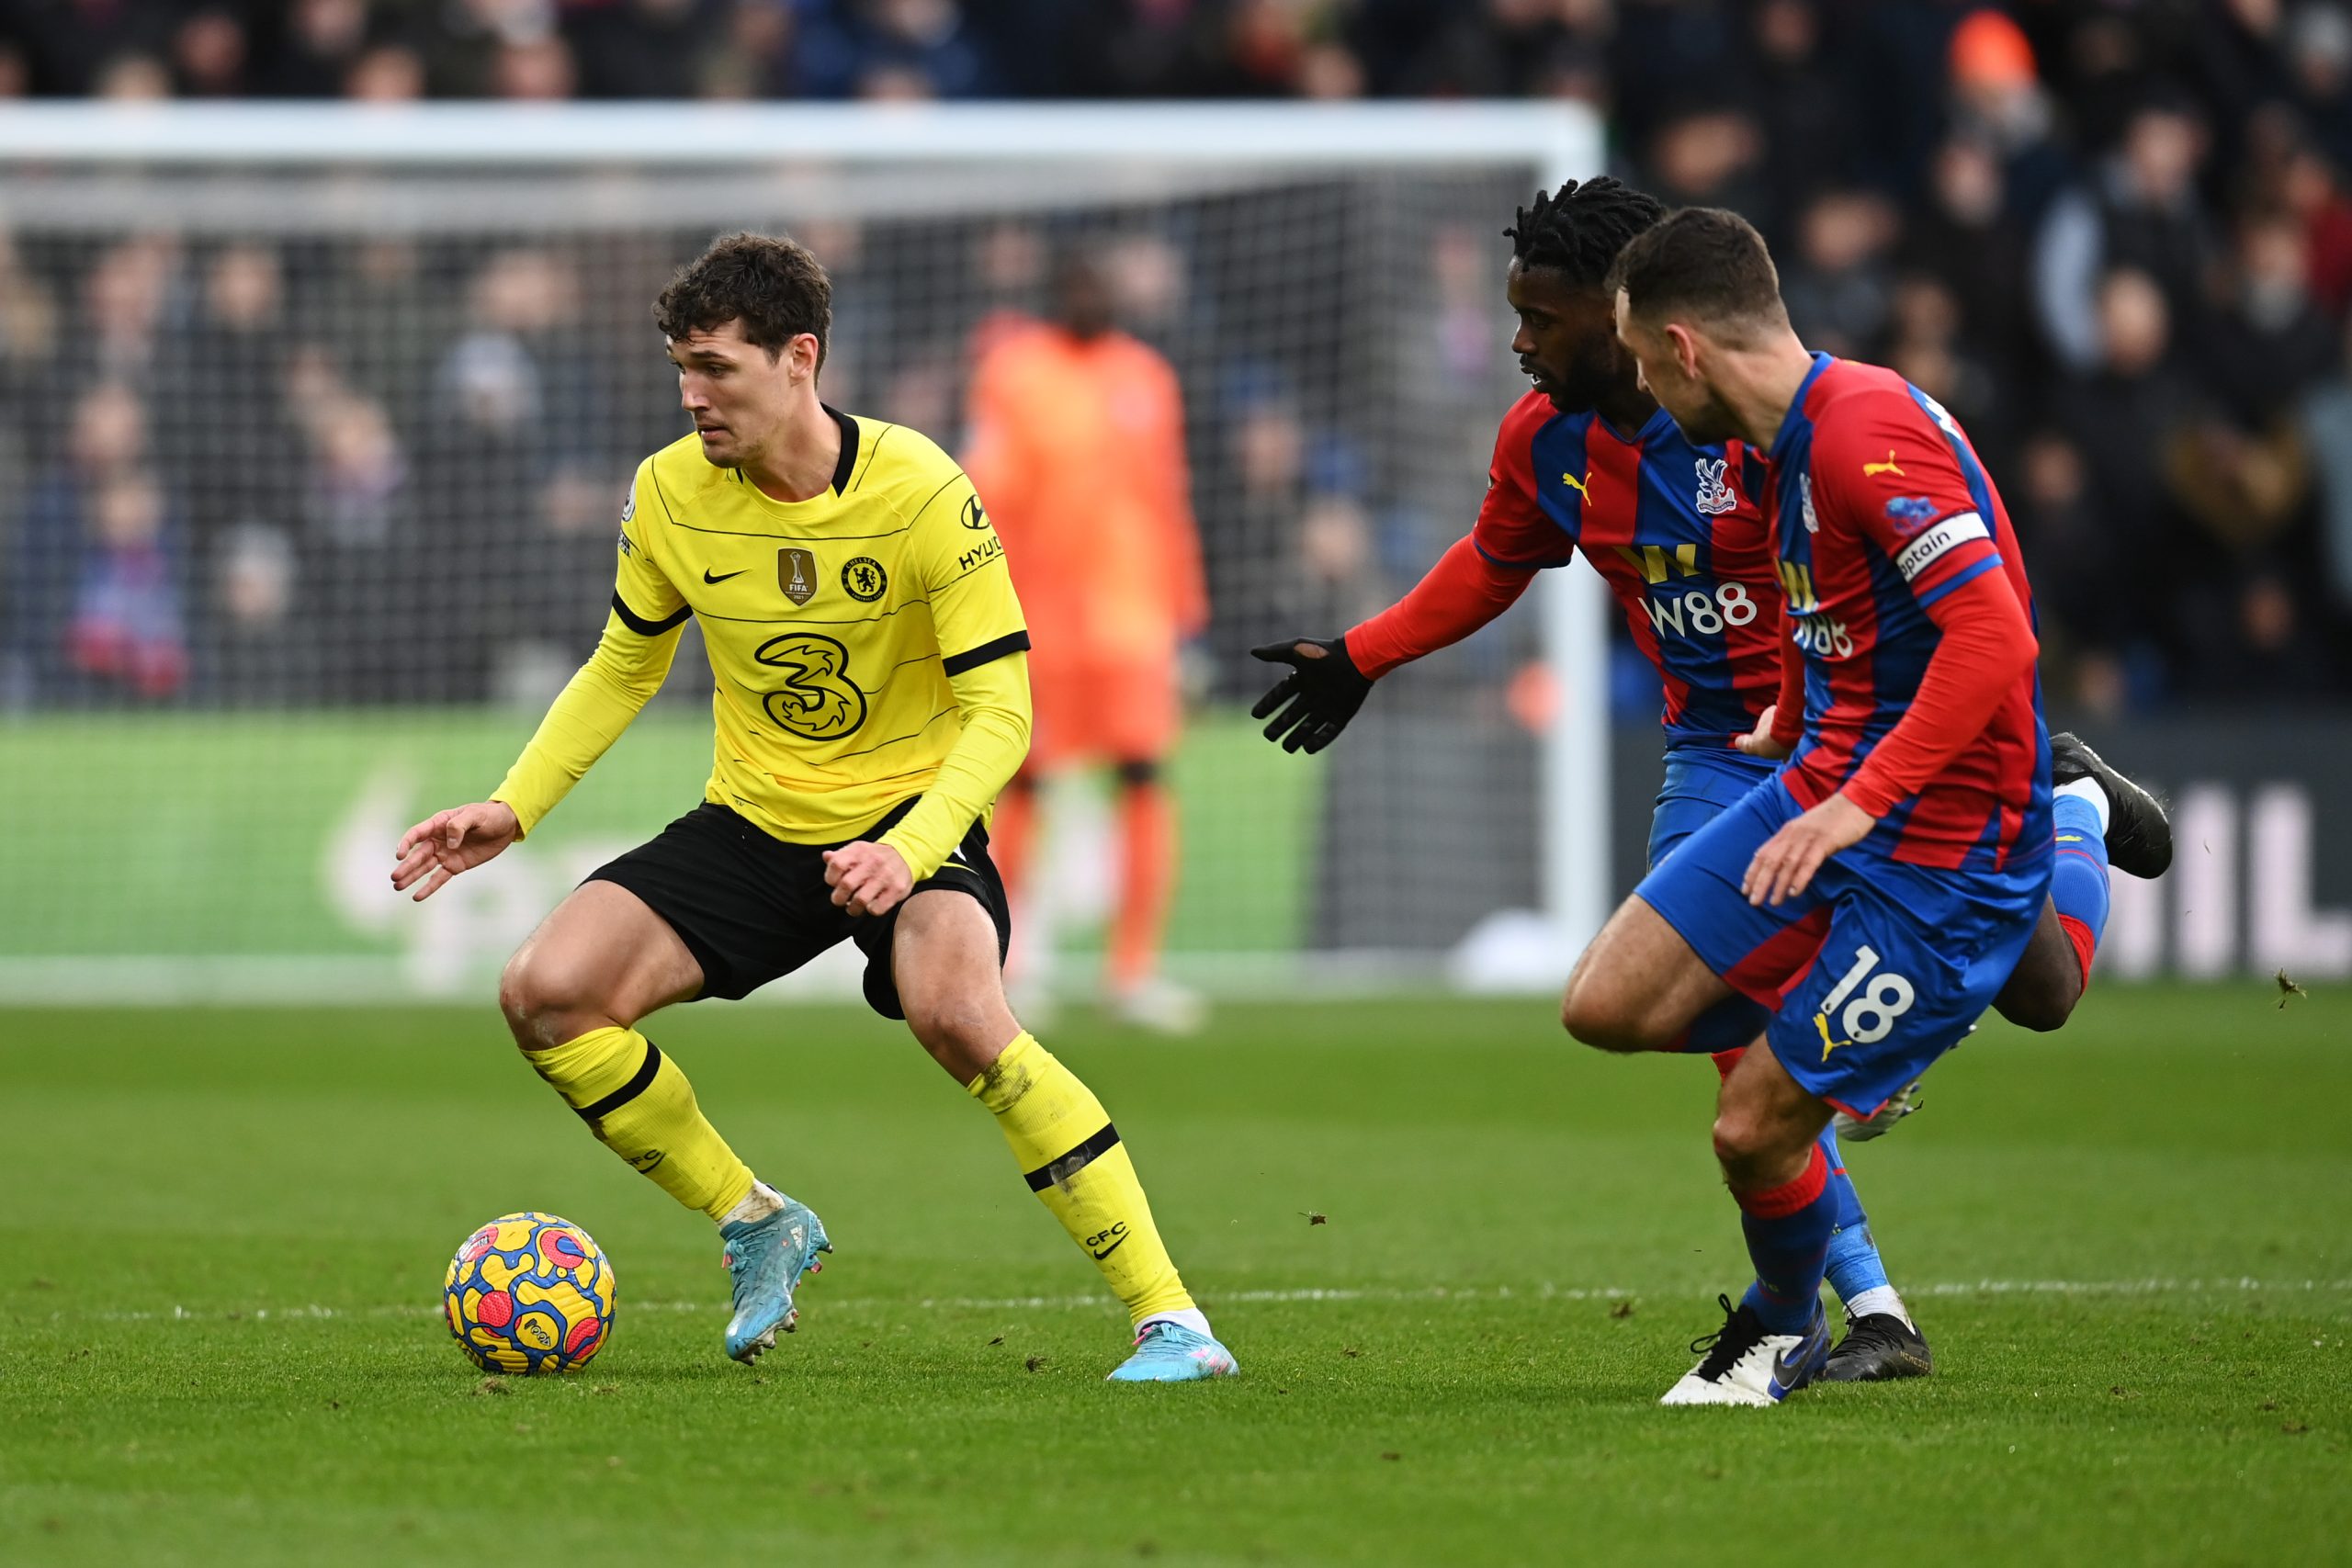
{"type": "Point", "coordinates": [1309, 226]}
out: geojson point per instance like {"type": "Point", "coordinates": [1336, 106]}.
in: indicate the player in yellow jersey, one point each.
{"type": "Point", "coordinates": [871, 701]}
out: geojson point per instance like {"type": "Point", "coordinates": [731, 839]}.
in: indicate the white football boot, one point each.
{"type": "Point", "coordinates": [1744, 1364]}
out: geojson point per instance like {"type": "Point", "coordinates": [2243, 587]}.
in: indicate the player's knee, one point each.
{"type": "Point", "coordinates": [2041, 1003]}
{"type": "Point", "coordinates": [1598, 1012]}
{"type": "Point", "coordinates": [542, 997]}
{"type": "Point", "coordinates": [956, 1031]}
{"type": "Point", "coordinates": [1743, 1140]}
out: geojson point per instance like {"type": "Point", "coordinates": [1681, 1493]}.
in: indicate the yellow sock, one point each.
{"type": "Point", "coordinates": [1064, 1140]}
{"type": "Point", "coordinates": [636, 1101]}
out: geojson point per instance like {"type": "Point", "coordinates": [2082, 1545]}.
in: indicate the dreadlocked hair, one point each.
{"type": "Point", "coordinates": [1578, 230]}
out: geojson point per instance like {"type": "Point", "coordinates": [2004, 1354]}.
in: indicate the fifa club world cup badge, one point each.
{"type": "Point", "coordinates": [796, 573]}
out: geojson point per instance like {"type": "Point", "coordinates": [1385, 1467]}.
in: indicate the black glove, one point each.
{"type": "Point", "coordinates": [1324, 689]}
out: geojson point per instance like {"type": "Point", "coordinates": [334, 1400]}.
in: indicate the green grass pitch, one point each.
{"type": "Point", "coordinates": [222, 1233]}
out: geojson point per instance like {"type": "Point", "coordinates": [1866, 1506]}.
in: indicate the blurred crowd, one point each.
{"type": "Point", "coordinates": [2115, 239]}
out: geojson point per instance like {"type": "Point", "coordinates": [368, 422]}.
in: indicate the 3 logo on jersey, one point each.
{"type": "Point", "coordinates": [818, 701]}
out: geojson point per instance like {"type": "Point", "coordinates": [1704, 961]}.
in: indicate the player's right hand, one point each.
{"type": "Point", "coordinates": [1324, 689]}
{"type": "Point", "coordinates": [450, 842]}
{"type": "Point", "coordinates": [1759, 741]}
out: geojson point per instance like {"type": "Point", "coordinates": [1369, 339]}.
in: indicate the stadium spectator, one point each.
{"type": "Point", "coordinates": [124, 296]}
{"type": "Point", "coordinates": [1711, 156]}
{"type": "Point", "coordinates": [253, 644]}
{"type": "Point", "coordinates": [209, 54]}
{"type": "Point", "coordinates": [91, 588]}
{"type": "Point", "coordinates": [133, 77]}
{"type": "Point", "coordinates": [2269, 339]}
{"type": "Point", "coordinates": [1838, 286]}
{"type": "Point", "coordinates": [2075, 555]}
{"type": "Point", "coordinates": [1961, 235]}
{"type": "Point", "coordinates": [2140, 209]}
{"type": "Point", "coordinates": [1801, 101]}
{"type": "Point", "coordinates": [222, 428]}
{"type": "Point", "coordinates": [2121, 417]}
{"type": "Point", "coordinates": [321, 41]}
{"type": "Point", "coordinates": [534, 70]}
{"type": "Point", "coordinates": [126, 636]}
{"type": "Point", "coordinates": [386, 74]}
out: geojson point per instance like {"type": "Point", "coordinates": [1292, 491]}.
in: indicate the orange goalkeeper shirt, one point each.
{"type": "Point", "coordinates": [1078, 450]}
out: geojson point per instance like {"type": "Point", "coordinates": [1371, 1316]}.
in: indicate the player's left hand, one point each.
{"type": "Point", "coordinates": [1785, 864]}
{"type": "Point", "coordinates": [868, 879]}
{"type": "Point", "coordinates": [1759, 742]}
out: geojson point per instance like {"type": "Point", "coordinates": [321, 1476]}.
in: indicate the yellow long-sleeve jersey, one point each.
{"type": "Point", "coordinates": [866, 646]}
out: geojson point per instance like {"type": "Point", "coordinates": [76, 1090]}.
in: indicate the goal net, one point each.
{"type": "Point", "coordinates": [317, 424]}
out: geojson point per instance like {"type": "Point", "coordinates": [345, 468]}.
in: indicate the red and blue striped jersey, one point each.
{"type": "Point", "coordinates": [1673, 529]}
{"type": "Point", "coordinates": [1881, 508]}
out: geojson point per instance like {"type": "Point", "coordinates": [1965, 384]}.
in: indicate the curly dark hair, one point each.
{"type": "Point", "coordinates": [1579, 229]}
{"type": "Point", "coordinates": [769, 282]}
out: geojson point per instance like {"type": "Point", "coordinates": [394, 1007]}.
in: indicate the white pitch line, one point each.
{"type": "Point", "coordinates": [2237, 1285]}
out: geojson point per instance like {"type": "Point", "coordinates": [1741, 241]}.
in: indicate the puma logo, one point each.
{"type": "Point", "coordinates": [1871, 470]}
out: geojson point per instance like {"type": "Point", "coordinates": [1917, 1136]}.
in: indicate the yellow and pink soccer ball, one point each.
{"type": "Point", "coordinates": [529, 1293]}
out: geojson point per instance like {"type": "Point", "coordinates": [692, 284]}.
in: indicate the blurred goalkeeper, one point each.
{"type": "Point", "coordinates": [871, 701]}
{"type": "Point", "coordinates": [1078, 440]}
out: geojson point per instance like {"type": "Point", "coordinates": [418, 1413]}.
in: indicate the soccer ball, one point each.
{"type": "Point", "coordinates": [529, 1293]}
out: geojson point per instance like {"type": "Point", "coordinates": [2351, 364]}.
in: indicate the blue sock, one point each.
{"type": "Point", "coordinates": [1788, 1240]}
{"type": "Point", "coordinates": [2078, 879]}
{"type": "Point", "coordinates": [1853, 1264]}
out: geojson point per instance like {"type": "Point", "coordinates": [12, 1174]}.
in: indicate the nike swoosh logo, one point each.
{"type": "Point", "coordinates": [1110, 1249]}
{"type": "Point", "coordinates": [722, 576]}
{"type": "Point", "coordinates": [1788, 1367]}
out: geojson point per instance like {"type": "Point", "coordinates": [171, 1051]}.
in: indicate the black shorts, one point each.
{"type": "Point", "coordinates": [752, 908]}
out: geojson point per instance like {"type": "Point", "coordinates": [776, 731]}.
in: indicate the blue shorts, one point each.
{"type": "Point", "coordinates": [1699, 786]}
{"type": "Point", "coordinates": [1872, 972]}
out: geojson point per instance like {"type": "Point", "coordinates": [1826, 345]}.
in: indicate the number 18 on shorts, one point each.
{"type": "Point", "coordinates": [1874, 971]}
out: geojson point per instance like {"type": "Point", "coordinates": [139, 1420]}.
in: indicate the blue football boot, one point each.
{"type": "Point", "coordinates": [1170, 1352]}
{"type": "Point", "coordinates": [766, 1257]}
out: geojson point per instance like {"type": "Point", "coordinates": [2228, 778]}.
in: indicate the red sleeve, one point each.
{"type": "Point", "coordinates": [1788, 716]}
{"type": "Point", "coordinates": [1885, 466]}
{"type": "Point", "coordinates": [1461, 592]}
{"type": "Point", "coordinates": [1986, 644]}
{"type": "Point", "coordinates": [1513, 528]}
